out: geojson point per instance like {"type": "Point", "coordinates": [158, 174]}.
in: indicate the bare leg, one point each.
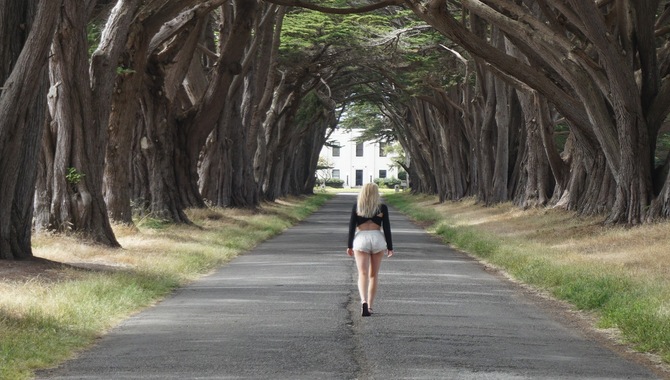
{"type": "Point", "coordinates": [375, 263]}
{"type": "Point", "coordinates": [363, 265]}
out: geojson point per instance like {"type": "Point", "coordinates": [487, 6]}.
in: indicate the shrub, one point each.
{"type": "Point", "coordinates": [387, 182]}
{"type": "Point", "coordinates": [334, 182]}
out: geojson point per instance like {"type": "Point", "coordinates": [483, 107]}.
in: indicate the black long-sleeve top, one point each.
{"type": "Point", "coordinates": [383, 221]}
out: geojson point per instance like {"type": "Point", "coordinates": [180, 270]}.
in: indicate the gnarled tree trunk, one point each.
{"type": "Point", "coordinates": [26, 32]}
{"type": "Point", "coordinates": [77, 203]}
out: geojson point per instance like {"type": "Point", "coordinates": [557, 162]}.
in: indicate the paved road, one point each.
{"type": "Point", "coordinates": [289, 310]}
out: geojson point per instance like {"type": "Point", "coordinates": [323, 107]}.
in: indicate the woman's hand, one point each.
{"type": "Point", "coordinates": [389, 253]}
{"type": "Point", "coordinates": [350, 251]}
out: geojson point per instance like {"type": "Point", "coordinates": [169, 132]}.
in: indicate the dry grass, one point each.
{"type": "Point", "coordinates": [619, 274]}
{"type": "Point", "coordinates": [144, 248]}
{"type": "Point", "coordinates": [55, 305]}
{"type": "Point", "coordinates": [642, 251]}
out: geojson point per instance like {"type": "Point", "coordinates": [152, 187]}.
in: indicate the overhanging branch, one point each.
{"type": "Point", "coordinates": [319, 8]}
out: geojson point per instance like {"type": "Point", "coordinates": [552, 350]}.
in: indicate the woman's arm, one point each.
{"type": "Point", "coordinates": [386, 225]}
{"type": "Point", "coordinates": [352, 228]}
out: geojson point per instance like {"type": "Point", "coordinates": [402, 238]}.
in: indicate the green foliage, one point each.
{"type": "Point", "coordinates": [73, 176]}
{"type": "Point", "coordinates": [334, 182]}
{"type": "Point", "coordinates": [330, 182]}
{"type": "Point", "coordinates": [389, 183]}
{"type": "Point", "coordinates": [662, 148]}
{"type": "Point", "coordinates": [153, 223]}
{"type": "Point", "coordinates": [124, 70]}
{"type": "Point", "coordinates": [364, 114]}
{"type": "Point", "coordinates": [306, 29]}
{"type": "Point", "coordinates": [664, 141]}
{"type": "Point", "coordinates": [386, 50]}
{"type": "Point", "coordinates": [310, 110]}
{"type": "Point", "coordinates": [428, 62]}
{"type": "Point", "coordinates": [305, 32]}
{"type": "Point", "coordinates": [561, 133]}
{"type": "Point", "coordinates": [94, 33]}
{"type": "Point", "coordinates": [373, 47]}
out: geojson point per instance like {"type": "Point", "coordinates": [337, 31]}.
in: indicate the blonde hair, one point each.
{"type": "Point", "coordinates": [368, 201]}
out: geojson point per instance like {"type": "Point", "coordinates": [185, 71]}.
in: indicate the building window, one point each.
{"type": "Point", "coordinates": [359, 150]}
{"type": "Point", "coordinates": [336, 173]}
{"type": "Point", "coordinates": [382, 174]}
{"type": "Point", "coordinates": [382, 149]}
{"type": "Point", "coordinates": [336, 151]}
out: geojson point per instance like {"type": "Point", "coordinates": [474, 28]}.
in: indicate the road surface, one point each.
{"type": "Point", "coordinates": [289, 309]}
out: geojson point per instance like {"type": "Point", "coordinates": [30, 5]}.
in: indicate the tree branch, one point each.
{"type": "Point", "coordinates": [319, 8]}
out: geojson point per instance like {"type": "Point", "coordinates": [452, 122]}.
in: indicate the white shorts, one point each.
{"type": "Point", "coordinates": [370, 241]}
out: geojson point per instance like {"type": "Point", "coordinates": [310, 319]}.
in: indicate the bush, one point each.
{"type": "Point", "coordinates": [334, 182]}
{"type": "Point", "coordinates": [389, 183]}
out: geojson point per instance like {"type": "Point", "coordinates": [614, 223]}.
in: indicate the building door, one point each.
{"type": "Point", "coordinates": [359, 178]}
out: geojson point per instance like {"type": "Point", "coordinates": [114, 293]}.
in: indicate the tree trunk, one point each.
{"type": "Point", "coordinates": [591, 186]}
{"type": "Point", "coordinates": [197, 127]}
{"type": "Point", "coordinates": [536, 185]}
{"type": "Point", "coordinates": [118, 118]}
{"type": "Point", "coordinates": [163, 36]}
{"type": "Point", "coordinates": [26, 32]}
{"type": "Point", "coordinates": [504, 106]}
{"type": "Point", "coordinates": [227, 175]}
{"type": "Point", "coordinates": [313, 143]}
{"type": "Point", "coordinates": [420, 172]}
{"type": "Point", "coordinates": [278, 140]}
{"type": "Point", "coordinates": [226, 170]}
{"type": "Point", "coordinates": [215, 172]}
{"type": "Point", "coordinates": [157, 136]}
{"type": "Point", "coordinates": [265, 74]}
{"type": "Point", "coordinates": [281, 100]}
{"type": "Point", "coordinates": [486, 135]}
{"type": "Point", "coordinates": [77, 202]}
{"type": "Point", "coordinates": [244, 192]}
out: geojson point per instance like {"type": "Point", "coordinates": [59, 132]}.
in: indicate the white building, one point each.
{"type": "Point", "coordinates": [356, 164]}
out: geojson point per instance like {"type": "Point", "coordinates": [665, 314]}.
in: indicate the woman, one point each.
{"type": "Point", "coordinates": [367, 242]}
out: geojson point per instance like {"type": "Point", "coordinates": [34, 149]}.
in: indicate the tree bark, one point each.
{"type": "Point", "coordinates": [26, 32]}
{"type": "Point", "coordinates": [164, 35]}
{"type": "Point", "coordinates": [157, 133]}
{"type": "Point", "coordinates": [199, 125]}
{"type": "Point", "coordinates": [227, 173]}
{"type": "Point", "coordinates": [77, 202]}
{"type": "Point", "coordinates": [104, 62]}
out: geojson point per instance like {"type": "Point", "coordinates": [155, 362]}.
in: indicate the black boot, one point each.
{"type": "Point", "coordinates": [366, 312]}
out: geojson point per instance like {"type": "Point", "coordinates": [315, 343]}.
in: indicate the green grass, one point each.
{"type": "Point", "coordinates": [44, 329]}
{"type": "Point", "coordinates": [405, 203]}
{"type": "Point", "coordinates": [637, 305]}
{"type": "Point", "coordinates": [44, 322]}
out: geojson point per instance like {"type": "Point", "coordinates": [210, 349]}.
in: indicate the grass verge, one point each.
{"type": "Point", "coordinates": [47, 315]}
{"type": "Point", "coordinates": [620, 274]}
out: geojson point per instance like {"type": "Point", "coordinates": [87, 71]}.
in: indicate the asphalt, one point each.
{"type": "Point", "coordinates": [289, 309]}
